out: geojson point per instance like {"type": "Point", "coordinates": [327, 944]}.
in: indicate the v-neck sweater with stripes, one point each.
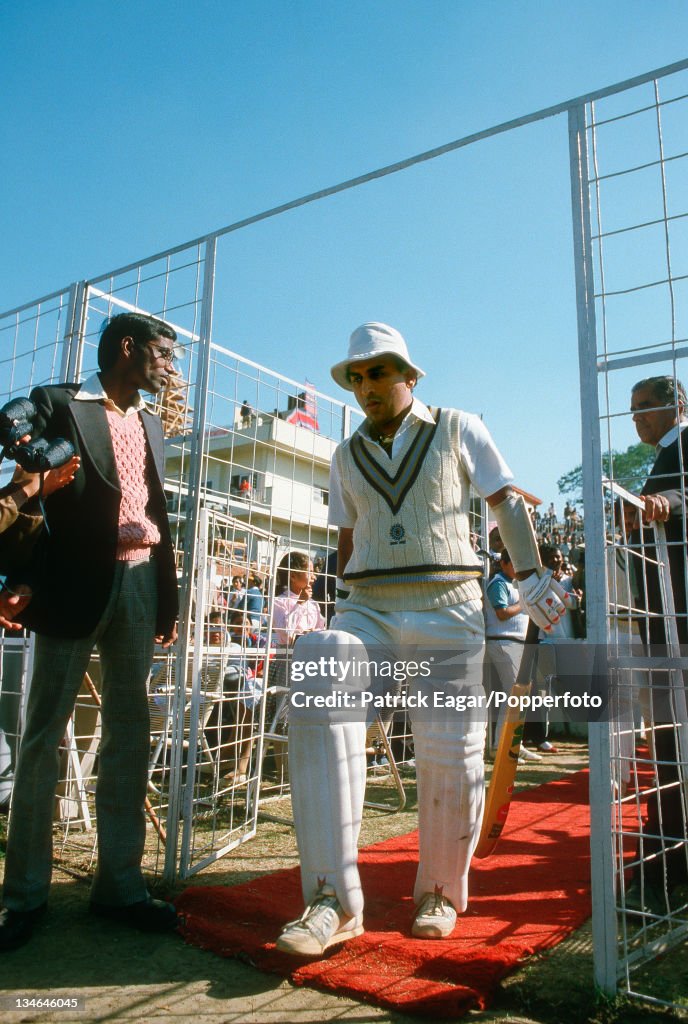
{"type": "Point", "coordinates": [411, 541]}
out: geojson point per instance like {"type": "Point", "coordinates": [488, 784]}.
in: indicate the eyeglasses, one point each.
{"type": "Point", "coordinates": [167, 355]}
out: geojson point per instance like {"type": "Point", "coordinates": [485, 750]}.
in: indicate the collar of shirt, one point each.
{"type": "Point", "coordinates": [297, 612]}
{"type": "Point", "coordinates": [92, 391]}
{"type": "Point", "coordinates": [417, 412]}
{"type": "Point", "coordinates": [672, 435]}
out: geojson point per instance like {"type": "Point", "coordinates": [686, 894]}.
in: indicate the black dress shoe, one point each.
{"type": "Point", "coordinates": [647, 898]}
{"type": "Point", "coordinates": [678, 897]}
{"type": "Point", "coordinates": [16, 926]}
{"type": "Point", "coordinates": [148, 915]}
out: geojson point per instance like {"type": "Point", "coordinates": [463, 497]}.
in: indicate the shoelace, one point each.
{"type": "Point", "coordinates": [437, 908]}
{"type": "Point", "coordinates": [326, 901]}
{"type": "Point", "coordinates": [323, 902]}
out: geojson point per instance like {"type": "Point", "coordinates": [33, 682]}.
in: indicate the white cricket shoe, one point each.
{"type": "Point", "coordinates": [435, 917]}
{"type": "Point", "coordinates": [528, 755]}
{"type": "Point", "coordinates": [322, 924]}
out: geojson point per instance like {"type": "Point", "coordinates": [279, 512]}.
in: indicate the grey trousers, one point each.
{"type": "Point", "coordinates": [124, 638]}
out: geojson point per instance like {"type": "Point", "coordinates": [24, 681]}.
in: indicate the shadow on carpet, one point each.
{"type": "Point", "coordinates": [528, 896]}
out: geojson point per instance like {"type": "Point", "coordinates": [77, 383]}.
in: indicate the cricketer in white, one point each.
{"type": "Point", "coordinates": [399, 494]}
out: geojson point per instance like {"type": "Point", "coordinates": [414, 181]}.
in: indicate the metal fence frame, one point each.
{"type": "Point", "coordinates": [615, 958]}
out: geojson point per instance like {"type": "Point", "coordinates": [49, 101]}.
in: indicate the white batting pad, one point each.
{"type": "Point", "coordinates": [327, 769]}
{"type": "Point", "coordinates": [451, 789]}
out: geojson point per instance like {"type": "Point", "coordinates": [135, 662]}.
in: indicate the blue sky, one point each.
{"type": "Point", "coordinates": [131, 127]}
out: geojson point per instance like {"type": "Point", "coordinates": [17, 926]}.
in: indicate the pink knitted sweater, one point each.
{"type": "Point", "coordinates": [137, 533]}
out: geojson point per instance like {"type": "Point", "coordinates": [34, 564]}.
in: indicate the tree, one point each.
{"type": "Point", "coordinates": [629, 469]}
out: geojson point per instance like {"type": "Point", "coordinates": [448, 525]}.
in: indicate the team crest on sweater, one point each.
{"type": "Point", "coordinates": [397, 534]}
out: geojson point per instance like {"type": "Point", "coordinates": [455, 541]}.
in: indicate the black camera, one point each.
{"type": "Point", "coordinates": [16, 421]}
{"type": "Point", "coordinates": [40, 455]}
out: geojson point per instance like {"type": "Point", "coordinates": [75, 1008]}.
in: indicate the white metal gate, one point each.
{"type": "Point", "coordinates": [629, 162]}
{"type": "Point", "coordinates": [218, 708]}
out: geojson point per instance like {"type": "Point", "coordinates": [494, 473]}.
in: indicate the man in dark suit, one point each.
{"type": "Point", "coordinates": [102, 577]}
{"type": "Point", "coordinates": [658, 405]}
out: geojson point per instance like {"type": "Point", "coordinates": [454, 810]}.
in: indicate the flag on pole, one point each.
{"type": "Point", "coordinates": [304, 409]}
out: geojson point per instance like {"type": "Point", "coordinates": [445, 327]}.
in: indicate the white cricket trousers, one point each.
{"type": "Point", "coordinates": [327, 762]}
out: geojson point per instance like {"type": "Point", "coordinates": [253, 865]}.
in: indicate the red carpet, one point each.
{"type": "Point", "coordinates": [528, 896]}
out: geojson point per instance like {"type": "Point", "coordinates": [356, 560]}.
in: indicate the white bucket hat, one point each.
{"type": "Point", "coordinates": [367, 342]}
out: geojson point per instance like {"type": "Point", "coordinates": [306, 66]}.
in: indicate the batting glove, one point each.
{"type": "Point", "coordinates": [543, 599]}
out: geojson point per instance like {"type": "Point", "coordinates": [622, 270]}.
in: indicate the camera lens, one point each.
{"type": "Point", "coordinates": [41, 455]}
{"type": "Point", "coordinates": [15, 420]}
{"type": "Point", "coordinates": [18, 409]}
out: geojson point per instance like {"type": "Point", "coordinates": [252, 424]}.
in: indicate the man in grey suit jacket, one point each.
{"type": "Point", "coordinates": [102, 576]}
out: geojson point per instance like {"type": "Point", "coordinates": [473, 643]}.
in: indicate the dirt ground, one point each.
{"type": "Point", "coordinates": [116, 974]}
